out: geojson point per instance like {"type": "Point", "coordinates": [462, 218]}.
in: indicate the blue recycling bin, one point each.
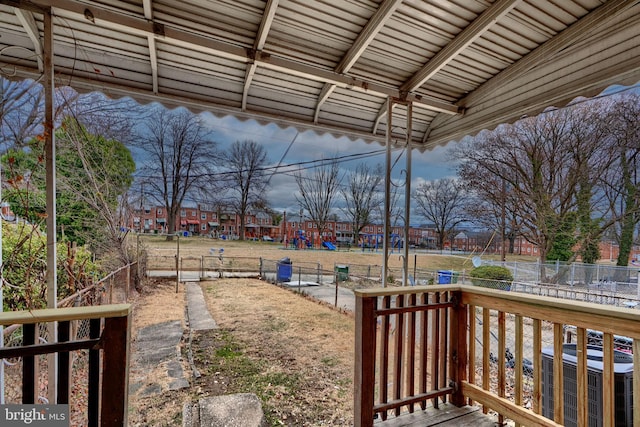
{"type": "Point", "coordinates": [445, 277]}
{"type": "Point", "coordinates": [284, 270]}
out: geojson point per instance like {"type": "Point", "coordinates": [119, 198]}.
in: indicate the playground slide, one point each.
{"type": "Point", "coordinates": [329, 246]}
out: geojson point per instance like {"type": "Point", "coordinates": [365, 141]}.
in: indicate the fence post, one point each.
{"type": "Point", "coordinates": [573, 273]}
{"type": "Point", "coordinates": [299, 274]}
{"type": "Point", "coordinates": [111, 289]}
{"type": "Point", "coordinates": [116, 336]}
{"type": "Point", "coordinates": [127, 283]}
{"type": "Point", "coordinates": [318, 274]}
{"type": "Point", "coordinates": [201, 266]}
{"type": "Point", "coordinates": [260, 268]}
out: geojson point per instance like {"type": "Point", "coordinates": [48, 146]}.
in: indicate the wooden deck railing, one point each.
{"type": "Point", "coordinates": [424, 345]}
{"type": "Point", "coordinates": [108, 358]}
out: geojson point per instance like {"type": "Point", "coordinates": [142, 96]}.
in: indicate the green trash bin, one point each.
{"type": "Point", "coordinates": [342, 273]}
{"type": "Point", "coordinates": [454, 277]}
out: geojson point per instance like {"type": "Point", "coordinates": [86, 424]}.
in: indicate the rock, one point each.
{"type": "Point", "coordinates": [233, 410]}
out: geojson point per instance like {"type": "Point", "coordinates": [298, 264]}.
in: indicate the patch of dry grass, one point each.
{"type": "Point", "coordinates": [296, 354]}
{"type": "Point", "coordinates": [200, 246]}
{"type": "Point", "coordinates": [290, 337]}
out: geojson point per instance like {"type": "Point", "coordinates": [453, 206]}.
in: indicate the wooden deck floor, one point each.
{"type": "Point", "coordinates": [446, 415]}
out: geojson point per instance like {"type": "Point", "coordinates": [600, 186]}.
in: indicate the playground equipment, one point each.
{"type": "Point", "coordinates": [300, 241]}
{"type": "Point", "coordinates": [329, 246]}
{"type": "Point", "coordinates": [375, 241]}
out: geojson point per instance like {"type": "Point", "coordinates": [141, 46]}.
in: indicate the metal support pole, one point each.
{"type": "Point", "coordinates": [387, 195]}
{"type": "Point", "coordinates": [335, 275]}
{"type": "Point", "coordinates": [127, 283]}
{"type": "Point", "coordinates": [138, 256]}
{"type": "Point", "coordinates": [407, 199]}
{"type": "Point", "coordinates": [50, 189]}
{"type": "Point", "coordinates": [177, 261]}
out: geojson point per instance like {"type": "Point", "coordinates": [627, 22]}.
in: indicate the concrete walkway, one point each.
{"type": "Point", "coordinates": [327, 294]}
{"type": "Point", "coordinates": [157, 347]}
{"type": "Point", "coordinates": [198, 314]}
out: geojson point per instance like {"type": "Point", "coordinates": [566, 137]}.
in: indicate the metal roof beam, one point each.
{"type": "Point", "coordinates": [382, 112]}
{"type": "Point", "coordinates": [326, 92]}
{"type": "Point", "coordinates": [369, 32]}
{"type": "Point", "coordinates": [474, 30]}
{"type": "Point", "coordinates": [261, 38]}
{"type": "Point", "coordinates": [29, 24]}
{"type": "Point", "coordinates": [349, 82]}
{"type": "Point", "coordinates": [267, 20]}
{"type": "Point", "coordinates": [364, 39]}
{"type": "Point", "coordinates": [153, 55]}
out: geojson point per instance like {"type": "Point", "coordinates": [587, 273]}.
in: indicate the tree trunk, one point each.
{"type": "Point", "coordinates": [241, 231]}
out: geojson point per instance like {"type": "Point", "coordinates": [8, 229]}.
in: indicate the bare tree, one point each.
{"type": "Point", "coordinates": [21, 109]}
{"type": "Point", "coordinates": [181, 158]}
{"type": "Point", "coordinates": [494, 210]}
{"type": "Point", "coordinates": [318, 191]}
{"type": "Point", "coordinates": [442, 202]}
{"type": "Point", "coordinates": [246, 178]}
{"type": "Point", "coordinates": [362, 196]}
{"type": "Point", "coordinates": [622, 180]}
{"type": "Point", "coordinates": [549, 166]}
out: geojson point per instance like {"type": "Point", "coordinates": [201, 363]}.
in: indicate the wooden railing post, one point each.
{"type": "Point", "coordinates": [115, 374]}
{"type": "Point", "coordinates": [365, 352]}
{"type": "Point", "coordinates": [29, 365]}
{"type": "Point", "coordinates": [459, 348]}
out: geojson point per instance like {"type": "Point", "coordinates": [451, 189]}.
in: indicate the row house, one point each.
{"type": "Point", "coordinates": [200, 220]}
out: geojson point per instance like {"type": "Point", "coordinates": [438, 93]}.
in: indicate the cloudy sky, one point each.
{"type": "Point", "coordinates": [309, 145]}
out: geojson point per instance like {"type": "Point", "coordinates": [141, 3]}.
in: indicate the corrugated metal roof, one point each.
{"type": "Point", "coordinates": [331, 65]}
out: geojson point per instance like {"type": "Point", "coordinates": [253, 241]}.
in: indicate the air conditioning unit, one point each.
{"type": "Point", "coordinates": [623, 379]}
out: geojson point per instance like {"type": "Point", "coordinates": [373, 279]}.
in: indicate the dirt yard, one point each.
{"type": "Point", "coordinates": [294, 353]}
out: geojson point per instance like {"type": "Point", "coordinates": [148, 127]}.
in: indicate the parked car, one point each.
{"type": "Point", "coordinates": [267, 238]}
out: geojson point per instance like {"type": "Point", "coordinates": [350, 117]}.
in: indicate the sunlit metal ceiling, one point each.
{"type": "Point", "coordinates": [332, 65]}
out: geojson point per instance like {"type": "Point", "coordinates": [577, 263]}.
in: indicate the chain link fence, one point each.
{"type": "Point", "coordinates": [601, 284]}
{"type": "Point", "coordinates": [115, 288]}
